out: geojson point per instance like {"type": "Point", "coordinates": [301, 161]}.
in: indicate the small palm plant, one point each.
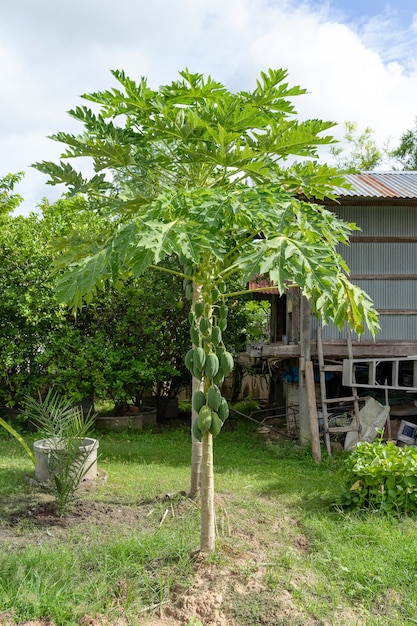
{"type": "Point", "coordinates": [65, 429]}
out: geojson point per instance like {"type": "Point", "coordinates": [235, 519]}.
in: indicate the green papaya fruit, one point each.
{"type": "Point", "coordinates": [216, 335]}
{"type": "Point", "coordinates": [196, 431]}
{"type": "Point", "coordinates": [214, 398]}
{"type": "Point", "coordinates": [215, 295]}
{"type": "Point", "coordinates": [199, 308]}
{"type": "Point", "coordinates": [205, 325]}
{"type": "Point", "coordinates": [195, 335]}
{"type": "Point", "coordinates": [191, 318]}
{"type": "Point", "coordinates": [197, 373]}
{"type": "Point", "coordinates": [189, 360]}
{"type": "Point", "coordinates": [218, 379]}
{"type": "Point", "coordinates": [216, 424]}
{"type": "Point", "coordinates": [223, 311]}
{"type": "Point", "coordinates": [199, 400]}
{"type": "Point", "coordinates": [226, 362]}
{"type": "Point", "coordinates": [222, 324]}
{"type": "Point", "coordinates": [211, 366]}
{"type": "Point", "coordinates": [199, 358]}
{"type": "Point", "coordinates": [204, 419]}
{"type": "Point", "coordinates": [223, 410]}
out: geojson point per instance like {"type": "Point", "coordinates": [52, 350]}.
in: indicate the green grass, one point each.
{"type": "Point", "coordinates": [284, 554]}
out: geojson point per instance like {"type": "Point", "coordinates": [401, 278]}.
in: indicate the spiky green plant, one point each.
{"type": "Point", "coordinates": [66, 427]}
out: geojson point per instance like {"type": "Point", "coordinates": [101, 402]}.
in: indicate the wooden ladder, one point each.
{"type": "Point", "coordinates": [326, 366]}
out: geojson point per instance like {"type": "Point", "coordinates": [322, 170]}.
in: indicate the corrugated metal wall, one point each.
{"type": "Point", "coordinates": [393, 328]}
{"type": "Point", "coordinates": [383, 258]}
{"type": "Point", "coordinates": [396, 221]}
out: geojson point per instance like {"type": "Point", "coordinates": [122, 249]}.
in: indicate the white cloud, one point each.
{"type": "Point", "coordinates": [53, 52]}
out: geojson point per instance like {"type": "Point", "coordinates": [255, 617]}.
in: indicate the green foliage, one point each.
{"type": "Point", "coordinates": [245, 406]}
{"type": "Point", "coordinates": [125, 342]}
{"type": "Point", "coordinates": [406, 152]}
{"type": "Point", "coordinates": [114, 348]}
{"type": "Point", "coordinates": [66, 428]}
{"type": "Point", "coordinates": [361, 153]}
{"type": "Point", "coordinates": [9, 200]}
{"type": "Point", "coordinates": [180, 164]}
{"type": "Point", "coordinates": [381, 476]}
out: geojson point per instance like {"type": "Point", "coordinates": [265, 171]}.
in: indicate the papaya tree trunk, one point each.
{"type": "Point", "coordinates": [207, 536]}
{"type": "Point", "coordinates": [196, 447]}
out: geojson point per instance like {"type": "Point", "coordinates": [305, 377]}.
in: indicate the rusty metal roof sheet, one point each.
{"type": "Point", "coordinates": [381, 185]}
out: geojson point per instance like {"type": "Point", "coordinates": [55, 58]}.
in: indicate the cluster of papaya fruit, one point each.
{"type": "Point", "coordinates": [212, 411]}
{"type": "Point", "coordinates": [209, 360]}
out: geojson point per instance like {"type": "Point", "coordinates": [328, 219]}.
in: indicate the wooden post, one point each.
{"type": "Point", "coordinates": [312, 409]}
{"type": "Point", "coordinates": [304, 335]}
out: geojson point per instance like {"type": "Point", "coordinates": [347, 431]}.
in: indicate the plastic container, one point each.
{"type": "Point", "coordinates": [407, 433]}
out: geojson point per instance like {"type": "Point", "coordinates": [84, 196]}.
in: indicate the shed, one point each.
{"type": "Point", "coordinates": [382, 258]}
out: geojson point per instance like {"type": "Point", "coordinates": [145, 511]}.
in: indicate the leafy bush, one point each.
{"type": "Point", "coordinates": [380, 476]}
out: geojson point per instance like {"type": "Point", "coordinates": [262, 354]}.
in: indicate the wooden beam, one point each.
{"type": "Point", "coordinates": [383, 276]}
{"type": "Point", "coordinates": [312, 409]}
{"type": "Point", "coordinates": [376, 239]}
{"type": "Point", "coordinates": [397, 311]}
{"type": "Point", "coordinates": [337, 349]}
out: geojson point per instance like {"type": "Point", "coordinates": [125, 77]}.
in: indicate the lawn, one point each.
{"type": "Point", "coordinates": [128, 551]}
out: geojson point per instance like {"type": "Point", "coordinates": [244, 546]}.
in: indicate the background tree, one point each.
{"type": "Point", "coordinates": [8, 199]}
{"type": "Point", "coordinates": [406, 152]}
{"type": "Point", "coordinates": [360, 152]}
{"type": "Point", "coordinates": [173, 168]}
{"type": "Point", "coordinates": [122, 344]}
{"type": "Point", "coordinates": [40, 342]}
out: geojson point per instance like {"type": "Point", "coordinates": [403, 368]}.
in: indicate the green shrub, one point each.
{"type": "Point", "coordinates": [380, 476]}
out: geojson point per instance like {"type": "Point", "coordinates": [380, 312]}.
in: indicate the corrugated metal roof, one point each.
{"type": "Point", "coordinates": [381, 185]}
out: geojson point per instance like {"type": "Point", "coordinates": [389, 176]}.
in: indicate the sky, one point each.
{"type": "Point", "coordinates": [356, 58]}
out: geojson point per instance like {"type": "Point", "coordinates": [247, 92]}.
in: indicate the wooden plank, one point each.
{"type": "Point", "coordinates": [312, 407]}
{"type": "Point", "coordinates": [323, 392]}
{"type": "Point", "coordinates": [397, 311]}
{"type": "Point", "coordinates": [367, 349]}
{"type": "Point", "coordinates": [336, 349]}
{"type": "Point", "coordinates": [345, 399]}
{"type": "Point", "coordinates": [383, 276]}
{"type": "Point", "coordinates": [343, 429]}
{"type": "Point", "coordinates": [384, 239]}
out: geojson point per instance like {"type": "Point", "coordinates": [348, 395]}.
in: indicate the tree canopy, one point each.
{"type": "Point", "coordinates": [406, 152]}
{"type": "Point", "coordinates": [194, 170]}
{"type": "Point", "coordinates": [360, 153]}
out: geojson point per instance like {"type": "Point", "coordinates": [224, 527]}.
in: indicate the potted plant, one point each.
{"type": "Point", "coordinates": [66, 454]}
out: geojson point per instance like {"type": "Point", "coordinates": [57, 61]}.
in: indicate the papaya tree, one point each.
{"type": "Point", "coordinates": [225, 182]}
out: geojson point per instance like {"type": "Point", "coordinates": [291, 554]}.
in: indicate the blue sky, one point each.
{"type": "Point", "coordinates": [364, 9]}
{"type": "Point", "coordinates": [356, 58]}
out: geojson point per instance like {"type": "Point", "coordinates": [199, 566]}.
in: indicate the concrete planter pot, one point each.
{"type": "Point", "coordinates": [43, 447]}
{"type": "Point", "coordinates": [135, 421]}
